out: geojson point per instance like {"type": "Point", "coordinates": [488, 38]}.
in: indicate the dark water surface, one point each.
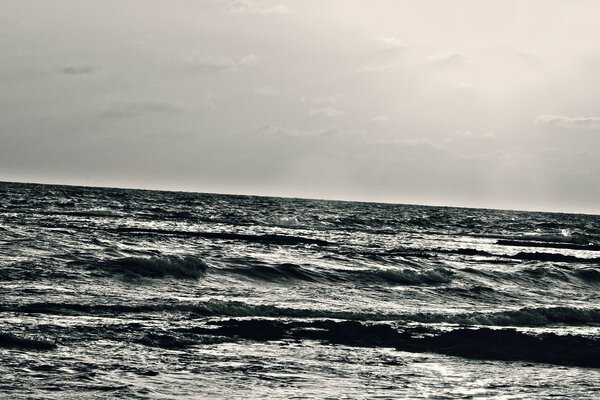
{"type": "Point", "coordinates": [109, 293]}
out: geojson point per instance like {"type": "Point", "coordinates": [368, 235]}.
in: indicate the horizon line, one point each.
{"type": "Point", "coordinates": [299, 198]}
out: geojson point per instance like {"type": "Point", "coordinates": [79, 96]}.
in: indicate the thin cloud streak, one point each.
{"type": "Point", "coordinates": [79, 70]}
{"type": "Point", "coordinates": [130, 109]}
{"type": "Point", "coordinates": [562, 121]}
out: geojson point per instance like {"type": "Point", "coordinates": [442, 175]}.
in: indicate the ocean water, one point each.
{"type": "Point", "coordinates": [114, 293]}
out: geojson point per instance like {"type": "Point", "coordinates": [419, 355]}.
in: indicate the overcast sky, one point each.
{"type": "Point", "coordinates": [469, 103]}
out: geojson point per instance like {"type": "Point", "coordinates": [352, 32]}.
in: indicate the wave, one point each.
{"type": "Point", "coordinates": [192, 267]}
{"type": "Point", "coordinates": [542, 316]}
{"type": "Point", "coordinates": [58, 308]}
{"type": "Point", "coordinates": [523, 255]}
{"type": "Point", "coordinates": [187, 267]}
{"type": "Point", "coordinates": [216, 308]}
{"type": "Point", "coordinates": [283, 240]}
{"type": "Point", "coordinates": [285, 221]}
{"type": "Point", "coordinates": [563, 245]}
{"type": "Point", "coordinates": [539, 276]}
{"type": "Point", "coordinates": [511, 345]}
{"type": "Point", "coordinates": [12, 341]}
{"type": "Point", "coordinates": [388, 276]}
{"type": "Point", "coordinates": [276, 273]}
{"type": "Point", "coordinates": [102, 213]}
{"type": "Point", "coordinates": [588, 275]}
{"type": "Point", "coordinates": [171, 341]}
{"type": "Point", "coordinates": [433, 276]}
{"type": "Point", "coordinates": [210, 308]}
{"type": "Point", "coordinates": [483, 343]}
{"type": "Point", "coordinates": [553, 257]}
{"type": "Point", "coordinates": [565, 236]}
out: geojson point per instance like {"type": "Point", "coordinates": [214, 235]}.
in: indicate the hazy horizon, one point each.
{"type": "Point", "coordinates": [151, 189]}
{"type": "Point", "coordinates": [467, 103]}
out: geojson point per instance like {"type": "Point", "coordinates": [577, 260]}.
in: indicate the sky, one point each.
{"type": "Point", "coordinates": [477, 103]}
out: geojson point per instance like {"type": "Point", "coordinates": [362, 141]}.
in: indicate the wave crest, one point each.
{"type": "Point", "coordinates": [12, 341]}
{"type": "Point", "coordinates": [187, 267]}
{"type": "Point", "coordinates": [542, 316]}
{"type": "Point", "coordinates": [433, 276]}
{"type": "Point", "coordinates": [483, 343]}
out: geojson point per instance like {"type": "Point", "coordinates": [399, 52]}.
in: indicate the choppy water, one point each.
{"type": "Point", "coordinates": [125, 293]}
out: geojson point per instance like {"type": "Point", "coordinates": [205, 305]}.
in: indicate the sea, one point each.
{"type": "Point", "coordinates": [119, 293]}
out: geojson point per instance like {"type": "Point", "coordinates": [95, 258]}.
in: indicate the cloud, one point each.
{"type": "Point", "coordinates": [375, 68]}
{"type": "Point", "coordinates": [276, 131]}
{"type": "Point", "coordinates": [79, 70]}
{"type": "Point", "coordinates": [446, 59]}
{"type": "Point", "coordinates": [208, 64]}
{"type": "Point", "coordinates": [320, 99]}
{"type": "Point", "coordinates": [462, 133]}
{"type": "Point", "coordinates": [327, 99]}
{"type": "Point", "coordinates": [562, 121]}
{"type": "Point", "coordinates": [213, 64]}
{"type": "Point", "coordinates": [255, 7]}
{"type": "Point", "coordinates": [390, 43]}
{"type": "Point", "coordinates": [130, 109]}
{"type": "Point", "coordinates": [266, 91]}
{"type": "Point", "coordinates": [381, 118]}
{"type": "Point", "coordinates": [250, 60]}
{"type": "Point", "coordinates": [328, 112]}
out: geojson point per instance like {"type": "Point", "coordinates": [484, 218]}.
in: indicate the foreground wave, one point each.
{"type": "Point", "coordinates": [484, 343]}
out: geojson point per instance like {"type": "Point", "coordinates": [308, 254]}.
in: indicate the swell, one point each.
{"type": "Point", "coordinates": [554, 257]}
{"type": "Point", "coordinates": [521, 256]}
{"type": "Point", "coordinates": [536, 276]}
{"type": "Point", "coordinates": [560, 245]}
{"type": "Point", "coordinates": [184, 267]}
{"type": "Point", "coordinates": [528, 316]}
{"type": "Point", "coordinates": [102, 213]}
{"type": "Point", "coordinates": [193, 267]}
{"type": "Point", "coordinates": [210, 308]}
{"type": "Point", "coordinates": [388, 276]}
{"type": "Point", "coordinates": [483, 343]}
{"type": "Point", "coordinates": [283, 240]}
{"type": "Point", "coordinates": [542, 316]}
{"type": "Point", "coordinates": [549, 239]}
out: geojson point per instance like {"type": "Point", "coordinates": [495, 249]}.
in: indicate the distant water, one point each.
{"type": "Point", "coordinates": [108, 293]}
